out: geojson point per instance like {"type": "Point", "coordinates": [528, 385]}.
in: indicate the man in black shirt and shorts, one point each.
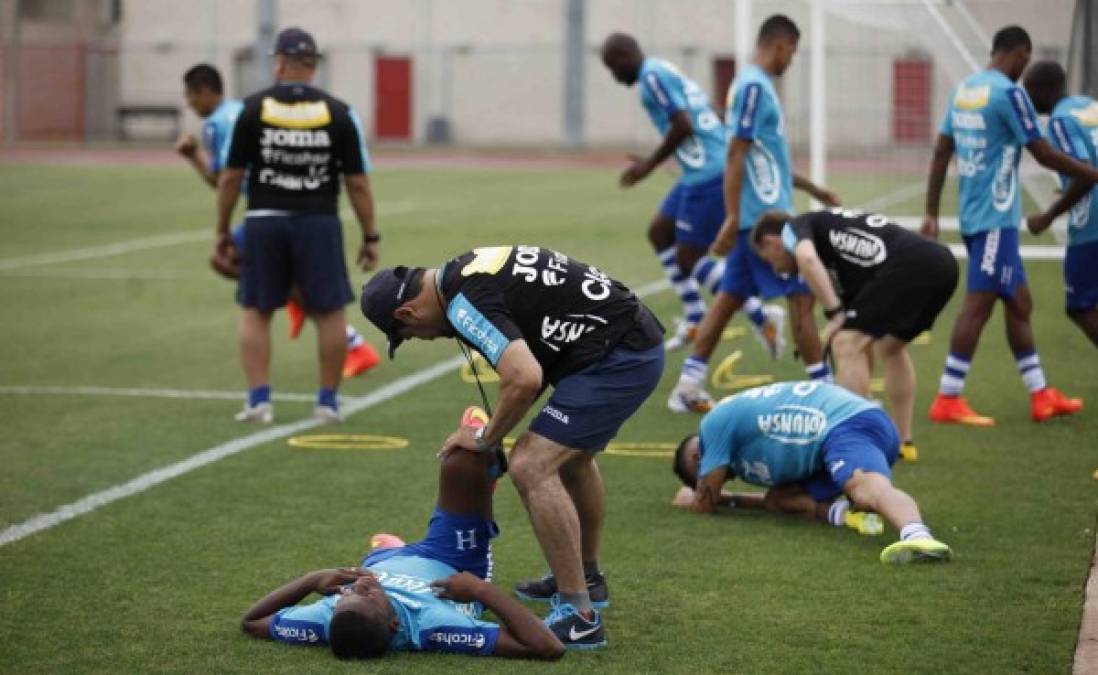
{"type": "Point", "coordinates": [540, 318]}
{"type": "Point", "coordinates": [295, 141]}
{"type": "Point", "coordinates": [879, 284]}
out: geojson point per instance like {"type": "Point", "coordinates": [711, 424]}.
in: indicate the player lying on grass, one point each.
{"type": "Point", "coordinates": [1073, 130]}
{"type": "Point", "coordinates": [204, 93]}
{"type": "Point", "coordinates": [818, 436]}
{"type": "Point", "coordinates": [879, 284]}
{"type": "Point", "coordinates": [425, 596]}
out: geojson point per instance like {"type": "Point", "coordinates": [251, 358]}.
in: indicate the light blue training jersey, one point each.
{"type": "Point", "coordinates": [217, 132]}
{"type": "Point", "coordinates": [427, 623]}
{"type": "Point", "coordinates": [773, 435]}
{"type": "Point", "coordinates": [755, 114]}
{"type": "Point", "coordinates": [664, 91]}
{"type": "Point", "coordinates": [1073, 130]}
{"type": "Point", "coordinates": [989, 119]}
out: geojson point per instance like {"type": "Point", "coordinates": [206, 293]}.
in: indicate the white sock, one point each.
{"type": "Point", "coordinates": [693, 371]}
{"type": "Point", "coordinates": [353, 337]}
{"type": "Point", "coordinates": [836, 515]}
{"type": "Point", "coordinates": [685, 286]}
{"type": "Point", "coordinates": [1033, 376]}
{"type": "Point", "coordinates": [953, 376]}
{"type": "Point", "coordinates": [915, 530]}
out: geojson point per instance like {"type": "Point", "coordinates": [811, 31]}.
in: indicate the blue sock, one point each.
{"type": "Point", "coordinates": [819, 371]}
{"type": "Point", "coordinates": [327, 398]}
{"type": "Point", "coordinates": [708, 273]}
{"type": "Point", "coordinates": [754, 310]}
{"type": "Point", "coordinates": [956, 368]}
{"type": "Point", "coordinates": [260, 394]}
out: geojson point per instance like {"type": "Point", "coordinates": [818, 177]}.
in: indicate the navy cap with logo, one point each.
{"type": "Point", "coordinates": [295, 42]}
{"type": "Point", "coordinates": [382, 294]}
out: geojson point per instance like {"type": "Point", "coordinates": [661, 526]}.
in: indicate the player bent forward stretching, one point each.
{"type": "Point", "coordinates": [424, 596]}
{"type": "Point", "coordinates": [818, 436]}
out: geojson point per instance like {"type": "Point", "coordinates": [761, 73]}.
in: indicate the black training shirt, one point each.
{"type": "Point", "coordinates": [569, 313]}
{"type": "Point", "coordinates": [296, 140]}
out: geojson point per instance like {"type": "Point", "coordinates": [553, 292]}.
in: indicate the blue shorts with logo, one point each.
{"type": "Point", "coordinates": [283, 250]}
{"type": "Point", "coordinates": [698, 211]}
{"type": "Point", "coordinates": [1081, 277]}
{"type": "Point", "coordinates": [747, 275]}
{"type": "Point", "coordinates": [866, 441]}
{"type": "Point", "coordinates": [995, 262]}
{"type": "Point", "coordinates": [462, 542]}
{"type": "Point", "coordinates": [588, 407]}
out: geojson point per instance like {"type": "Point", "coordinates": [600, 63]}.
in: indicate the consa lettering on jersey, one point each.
{"type": "Point", "coordinates": [792, 423]}
{"type": "Point", "coordinates": [403, 582]}
{"type": "Point", "coordinates": [860, 248]}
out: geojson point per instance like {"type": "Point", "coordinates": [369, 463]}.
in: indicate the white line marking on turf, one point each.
{"type": "Point", "coordinates": [45, 521]}
{"type": "Point", "coordinates": [80, 507]}
{"type": "Point", "coordinates": [143, 392]}
{"type": "Point", "coordinates": [105, 250]}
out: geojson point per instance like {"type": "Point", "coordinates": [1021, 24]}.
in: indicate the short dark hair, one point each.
{"type": "Point", "coordinates": [769, 223]}
{"type": "Point", "coordinates": [1009, 39]}
{"type": "Point", "coordinates": [678, 464]}
{"type": "Point", "coordinates": [203, 76]}
{"type": "Point", "coordinates": [1048, 74]}
{"type": "Point", "coordinates": [778, 26]}
{"type": "Point", "coordinates": [354, 635]}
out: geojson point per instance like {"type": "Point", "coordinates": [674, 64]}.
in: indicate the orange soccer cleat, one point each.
{"type": "Point", "coordinates": [1049, 402]}
{"type": "Point", "coordinates": [297, 318]}
{"type": "Point", "coordinates": [955, 410]}
{"type": "Point", "coordinates": [384, 540]}
{"type": "Point", "coordinates": [360, 359]}
{"type": "Point", "coordinates": [474, 416]}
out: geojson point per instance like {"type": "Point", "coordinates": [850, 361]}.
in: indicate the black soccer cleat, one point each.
{"type": "Point", "coordinates": [543, 589]}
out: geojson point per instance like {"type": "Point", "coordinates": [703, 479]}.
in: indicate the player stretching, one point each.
{"type": "Point", "coordinates": [757, 178]}
{"type": "Point", "coordinates": [988, 121]}
{"type": "Point", "coordinates": [1073, 130]}
{"type": "Point", "coordinates": [203, 91]}
{"type": "Point", "coordinates": [815, 435]}
{"type": "Point", "coordinates": [692, 212]}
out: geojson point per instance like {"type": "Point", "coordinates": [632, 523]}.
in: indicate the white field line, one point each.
{"type": "Point", "coordinates": [159, 241]}
{"type": "Point", "coordinates": [108, 274]}
{"type": "Point", "coordinates": [145, 392]}
{"type": "Point", "coordinates": [900, 194]}
{"type": "Point", "coordinates": [80, 507]}
{"type": "Point", "coordinates": [45, 521]}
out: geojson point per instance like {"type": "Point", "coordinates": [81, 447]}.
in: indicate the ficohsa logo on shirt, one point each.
{"type": "Point", "coordinates": [297, 633]}
{"type": "Point", "coordinates": [791, 423]}
{"type": "Point", "coordinates": [456, 639]}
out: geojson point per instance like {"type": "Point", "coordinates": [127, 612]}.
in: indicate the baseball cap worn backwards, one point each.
{"type": "Point", "coordinates": [295, 42]}
{"type": "Point", "coordinates": [382, 294]}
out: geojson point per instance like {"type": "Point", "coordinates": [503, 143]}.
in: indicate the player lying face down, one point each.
{"type": "Point", "coordinates": [808, 441]}
{"type": "Point", "coordinates": [424, 596]}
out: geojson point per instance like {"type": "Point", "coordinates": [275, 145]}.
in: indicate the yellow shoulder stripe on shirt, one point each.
{"type": "Point", "coordinates": [303, 115]}
{"type": "Point", "coordinates": [487, 260]}
{"type": "Point", "coordinates": [1087, 116]}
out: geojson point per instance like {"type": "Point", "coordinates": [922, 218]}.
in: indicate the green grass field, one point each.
{"type": "Point", "coordinates": [157, 582]}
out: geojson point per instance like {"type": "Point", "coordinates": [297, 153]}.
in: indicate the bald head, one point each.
{"type": "Point", "coordinates": [623, 56]}
{"type": "Point", "coordinates": [1046, 84]}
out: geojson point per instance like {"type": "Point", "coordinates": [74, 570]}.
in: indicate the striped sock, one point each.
{"type": "Point", "coordinates": [693, 370]}
{"type": "Point", "coordinates": [819, 371]}
{"type": "Point", "coordinates": [1029, 366]}
{"type": "Point", "coordinates": [685, 287]}
{"type": "Point", "coordinates": [953, 377]}
{"type": "Point", "coordinates": [708, 272]}
{"type": "Point", "coordinates": [260, 394]}
{"type": "Point", "coordinates": [836, 514]}
{"type": "Point", "coordinates": [354, 339]}
{"type": "Point", "coordinates": [915, 530]}
{"type": "Point", "coordinates": [754, 310]}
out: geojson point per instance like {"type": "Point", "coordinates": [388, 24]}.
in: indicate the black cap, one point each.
{"type": "Point", "coordinates": [295, 41]}
{"type": "Point", "coordinates": [382, 294]}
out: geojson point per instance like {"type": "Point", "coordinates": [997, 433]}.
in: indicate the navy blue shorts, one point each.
{"type": "Point", "coordinates": [995, 262]}
{"type": "Point", "coordinates": [698, 211]}
{"type": "Point", "coordinates": [866, 441]}
{"type": "Point", "coordinates": [1081, 277]}
{"type": "Point", "coordinates": [304, 250]}
{"type": "Point", "coordinates": [747, 275]}
{"type": "Point", "coordinates": [462, 542]}
{"type": "Point", "coordinates": [587, 408]}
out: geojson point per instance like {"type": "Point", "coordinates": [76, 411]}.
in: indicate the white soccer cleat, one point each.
{"type": "Point", "coordinates": [327, 414]}
{"type": "Point", "coordinates": [262, 413]}
{"type": "Point", "coordinates": [684, 335]}
{"type": "Point", "coordinates": [771, 335]}
{"type": "Point", "coordinates": [686, 398]}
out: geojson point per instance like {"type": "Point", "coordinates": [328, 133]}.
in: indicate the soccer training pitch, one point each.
{"type": "Point", "coordinates": [119, 358]}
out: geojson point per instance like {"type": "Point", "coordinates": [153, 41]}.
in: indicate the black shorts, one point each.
{"type": "Point", "coordinates": [906, 295]}
{"type": "Point", "coordinates": [283, 251]}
